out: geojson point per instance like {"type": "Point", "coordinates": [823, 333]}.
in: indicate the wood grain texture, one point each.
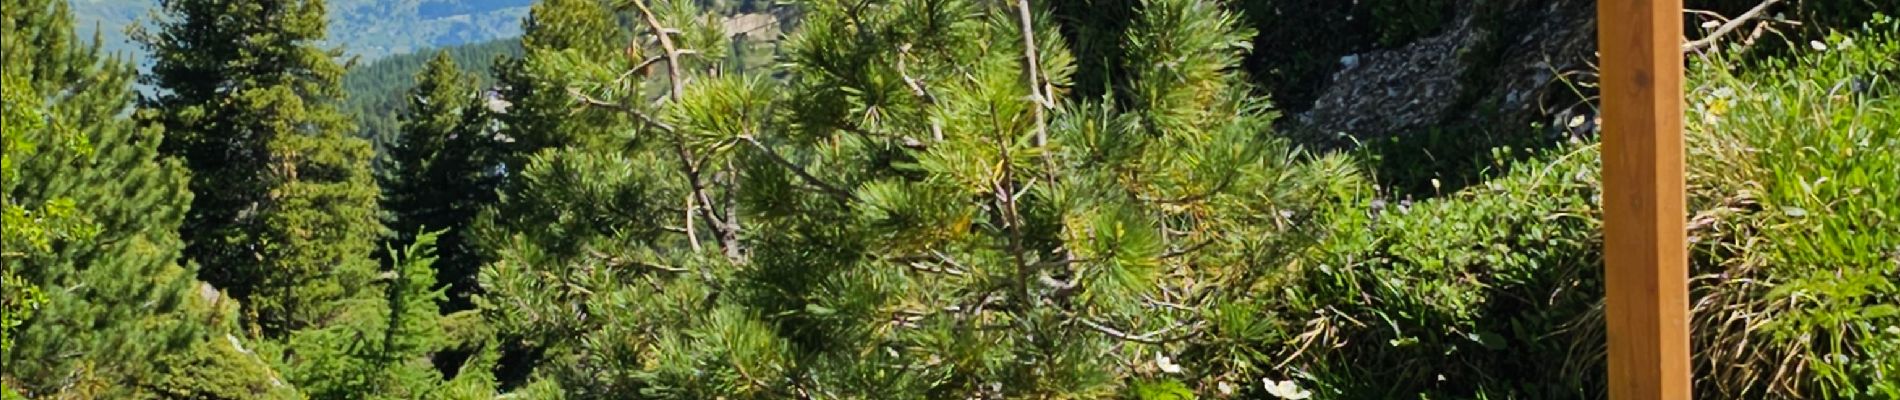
{"type": "Point", "coordinates": [1645, 258]}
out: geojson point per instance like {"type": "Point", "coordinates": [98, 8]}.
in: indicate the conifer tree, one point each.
{"type": "Point", "coordinates": [379, 347]}
{"type": "Point", "coordinates": [445, 168]}
{"type": "Point", "coordinates": [285, 212]}
{"type": "Point", "coordinates": [91, 218]}
{"type": "Point", "coordinates": [560, 38]}
{"type": "Point", "coordinates": [912, 208]}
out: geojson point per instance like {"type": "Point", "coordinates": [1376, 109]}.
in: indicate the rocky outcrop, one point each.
{"type": "Point", "coordinates": [1500, 65]}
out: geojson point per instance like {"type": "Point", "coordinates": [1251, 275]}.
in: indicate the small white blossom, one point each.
{"type": "Point", "coordinates": [1287, 389]}
{"type": "Point", "coordinates": [1817, 45]}
{"type": "Point", "coordinates": [1166, 364]}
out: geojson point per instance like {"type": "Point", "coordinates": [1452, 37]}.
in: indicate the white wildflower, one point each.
{"type": "Point", "coordinates": [1287, 389]}
{"type": "Point", "coordinates": [1817, 45]}
{"type": "Point", "coordinates": [1166, 364]}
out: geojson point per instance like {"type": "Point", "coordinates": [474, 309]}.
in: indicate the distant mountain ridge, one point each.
{"type": "Point", "coordinates": [371, 29]}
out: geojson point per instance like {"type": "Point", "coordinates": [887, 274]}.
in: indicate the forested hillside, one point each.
{"type": "Point", "coordinates": [371, 29]}
{"type": "Point", "coordinates": [922, 199]}
{"type": "Point", "coordinates": [376, 90]}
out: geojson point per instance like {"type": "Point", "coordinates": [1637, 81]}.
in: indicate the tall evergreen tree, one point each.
{"type": "Point", "coordinates": [91, 217]}
{"type": "Point", "coordinates": [285, 215]}
{"type": "Point", "coordinates": [445, 169]}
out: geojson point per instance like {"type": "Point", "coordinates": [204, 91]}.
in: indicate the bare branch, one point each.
{"type": "Point", "coordinates": [917, 88]}
{"type": "Point", "coordinates": [692, 235]}
{"type": "Point", "coordinates": [727, 232]}
{"type": "Point", "coordinates": [1147, 338]}
{"type": "Point", "coordinates": [665, 37]}
{"type": "Point", "coordinates": [646, 63]}
{"type": "Point", "coordinates": [1032, 69]}
{"type": "Point", "coordinates": [1730, 26]}
{"type": "Point", "coordinates": [625, 109]}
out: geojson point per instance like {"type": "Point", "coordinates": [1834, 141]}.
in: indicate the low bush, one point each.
{"type": "Point", "coordinates": [1495, 291]}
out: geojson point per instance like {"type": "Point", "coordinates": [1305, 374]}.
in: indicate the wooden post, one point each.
{"type": "Point", "coordinates": [1645, 258]}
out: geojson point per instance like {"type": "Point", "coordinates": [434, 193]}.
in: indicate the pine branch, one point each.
{"type": "Point", "coordinates": [1012, 223]}
{"type": "Point", "coordinates": [622, 108]}
{"type": "Point", "coordinates": [726, 231]}
{"type": "Point", "coordinates": [614, 262]}
{"type": "Point", "coordinates": [946, 265]}
{"type": "Point", "coordinates": [828, 188]}
{"type": "Point", "coordinates": [698, 197]}
{"type": "Point", "coordinates": [917, 88]}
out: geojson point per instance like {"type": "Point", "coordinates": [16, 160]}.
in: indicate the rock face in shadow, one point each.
{"type": "Point", "coordinates": [1499, 66]}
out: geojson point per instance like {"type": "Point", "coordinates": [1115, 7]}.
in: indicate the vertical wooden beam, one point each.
{"type": "Point", "coordinates": [1645, 258]}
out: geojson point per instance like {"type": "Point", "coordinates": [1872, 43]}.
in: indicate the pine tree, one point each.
{"type": "Point", "coordinates": [445, 169]}
{"type": "Point", "coordinates": [379, 347]}
{"type": "Point", "coordinates": [561, 41]}
{"type": "Point", "coordinates": [914, 210]}
{"type": "Point", "coordinates": [285, 212]}
{"type": "Point", "coordinates": [91, 217]}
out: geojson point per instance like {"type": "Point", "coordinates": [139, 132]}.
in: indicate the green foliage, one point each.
{"type": "Point", "coordinates": [443, 169]}
{"type": "Point", "coordinates": [1794, 156]}
{"type": "Point", "coordinates": [378, 91]}
{"type": "Point", "coordinates": [380, 346]}
{"type": "Point", "coordinates": [25, 230]}
{"type": "Point", "coordinates": [285, 213]}
{"type": "Point", "coordinates": [96, 304]}
{"type": "Point", "coordinates": [914, 199]}
{"type": "Point", "coordinates": [1496, 281]}
{"type": "Point", "coordinates": [895, 217]}
{"type": "Point", "coordinates": [1789, 170]}
{"type": "Point", "coordinates": [566, 42]}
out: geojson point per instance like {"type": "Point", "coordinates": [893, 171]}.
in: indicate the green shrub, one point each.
{"type": "Point", "coordinates": [1490, 284]}
{"type": "Point", "coordinates": [1495, 291]}
{"type": "Point", "coordinates": [1795, 165]}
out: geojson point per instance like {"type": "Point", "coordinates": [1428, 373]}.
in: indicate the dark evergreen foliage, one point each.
{"type": "Point", "coordinates": [445, 169]}
{"type": "Point", "coordinates": [377, 91]}
{"type": "Point", "coordinates": [97, 302]}
{"type": "Point", "coordinates": [284, 215]}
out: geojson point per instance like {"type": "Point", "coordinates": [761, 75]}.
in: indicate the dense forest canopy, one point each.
{"type": "Point", "coordinates": [921, 199]}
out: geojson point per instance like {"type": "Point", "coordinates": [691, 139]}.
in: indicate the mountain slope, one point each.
{"type": "Point", "coordinates": [371, 29]}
